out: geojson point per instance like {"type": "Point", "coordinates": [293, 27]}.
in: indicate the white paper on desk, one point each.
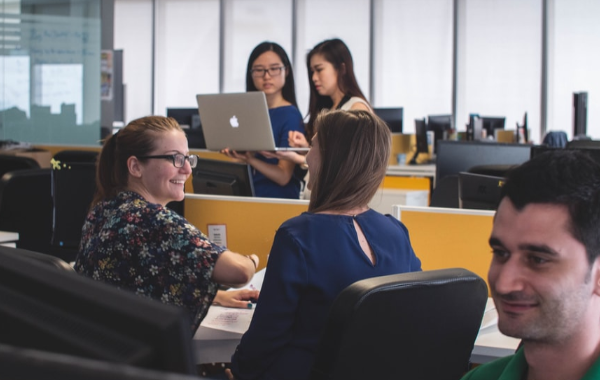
{"type": "Point", "coordinates": [256, 282]}
{"type": "Point", "coordinates": [228, 319]}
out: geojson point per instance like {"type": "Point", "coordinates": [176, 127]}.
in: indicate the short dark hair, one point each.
{"type": "Point", "coordinates": [562, 177]}
{"type": "Point", "coordinates": [289, 88]}
{"type": "Point", "coordinates": [355, 149]}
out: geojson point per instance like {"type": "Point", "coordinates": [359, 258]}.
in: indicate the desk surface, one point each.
{"type": "Point", "coordinates": [6, 237]}
{"type": "Point", "coordinates": [216, 346]}
{"type": "Point", "coordinates": [412, 170]}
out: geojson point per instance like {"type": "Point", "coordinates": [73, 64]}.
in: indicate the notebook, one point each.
{"type": "Point", "coordinates": [238, 121]}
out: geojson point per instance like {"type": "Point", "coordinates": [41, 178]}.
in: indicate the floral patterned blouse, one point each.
{"type": "Point", "coordinates": [151, 250]}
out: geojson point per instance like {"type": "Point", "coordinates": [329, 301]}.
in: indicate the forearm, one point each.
{"type": "Point", "coordinates": [234, 270]}
{"type": "Point", "coordinates": [280, 173]}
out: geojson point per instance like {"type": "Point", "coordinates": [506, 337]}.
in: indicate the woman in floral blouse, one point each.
{"type": "Point", "coordinates": [132, 240]}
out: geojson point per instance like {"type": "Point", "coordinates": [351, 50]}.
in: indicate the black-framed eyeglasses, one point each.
{"type": "Point", "coordinates": [273, 71]}
{"type": "Point", "coordinates": [178, 159]}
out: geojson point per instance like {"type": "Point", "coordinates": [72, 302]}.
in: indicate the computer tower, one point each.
{"type": "Point", "coordinates": [580, 102]}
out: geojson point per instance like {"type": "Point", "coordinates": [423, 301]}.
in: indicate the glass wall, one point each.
{"type": "Point", "coordinates": [575, 36]}
{"type": "Point", "coordinates": [50, 71]}
{"type": "Point", "coordinates": [413, 57]}
{"type": "Point", "coordinates": [500, 61]}
{"type": "Point", "coordinates": [403, 51]}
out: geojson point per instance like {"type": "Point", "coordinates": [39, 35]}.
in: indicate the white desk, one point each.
{"type": "Point", "coordinates": [412, 170]}
{"type": "Point", "coordinates": [427, 170]}
{"type": "Point", "coordinates": [9, 239]}
{"type": "Point", "coordinates": [216, 346]}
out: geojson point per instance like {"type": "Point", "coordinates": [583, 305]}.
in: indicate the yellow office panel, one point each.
{"type": "Point", "coordinates": [446, 240]}
{"type": "Point", "coordinates": [250, 226]}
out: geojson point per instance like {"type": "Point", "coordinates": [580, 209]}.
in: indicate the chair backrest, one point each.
{"type": "Point", "coordinates": [76, 156]}
{"type": "Point", "coordinates": [419, 325]}
{"type": "Point", "coordinates": [8, 163]}
{"type": "Point", "coordinates": [73, 188]}
{"type": "Point", "coordinates": [26, 207]}
{"type": "Point", "coordinates": [39, 257]}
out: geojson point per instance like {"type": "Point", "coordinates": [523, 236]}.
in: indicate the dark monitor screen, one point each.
{"type": "Point", "coordinates": [392, 116]}
{"type": "Point", "coordinates": [189, 120]}
{"type": "Point", "coordinates": [222, 178]}
{"type": "Point", "coordinates": [421, 140]}
{"type": "Point", "coordinates": [480, 192]}
{"type": "Point", "coordinates": [440, 125]}
{"type": "Point", "coordinates": [73, 188]}
{"type": "Point", "coordinates": [48, 309]}
{"type": "Point", "coordinates": [454, 157]}
{"type": "Point", "coordinates": [491, 123]}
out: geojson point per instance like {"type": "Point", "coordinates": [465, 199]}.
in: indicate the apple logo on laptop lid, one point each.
{"type": "Point", "coordinates": [234, 122]}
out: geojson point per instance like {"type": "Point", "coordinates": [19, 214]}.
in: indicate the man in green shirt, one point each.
{"type": "Point", "coordinates": [545, 271]}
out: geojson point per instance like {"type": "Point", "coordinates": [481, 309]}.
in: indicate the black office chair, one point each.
{"type": "Point", "coordinates": [39, 257]}
{"type": "Point", "coordinates": [9, 163]}
{"type": "Point", "coordinates": [26, 207]}
{"type": "Point", "coordinates": [73, 188]}
{"type": "Point", "coordinates": [67, 156]}
{"type": "Point", "coordinates": [492, 170]}
{"type": "Point", "coordinates": [419, 325]}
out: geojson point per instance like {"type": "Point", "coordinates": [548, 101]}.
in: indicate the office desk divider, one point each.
{"type": "Point", "coordinates": [449, 238]}
{"type": "Point", "coordinates": [250, 222]}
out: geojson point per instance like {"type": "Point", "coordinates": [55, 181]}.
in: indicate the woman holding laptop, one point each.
{"type": "Point", "coordinates": [317, 254]}
{"type": "Point", "coordinates": [269, 70]}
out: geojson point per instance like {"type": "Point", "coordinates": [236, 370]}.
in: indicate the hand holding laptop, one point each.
{"type": "Point", "coordinates": [239, 155]}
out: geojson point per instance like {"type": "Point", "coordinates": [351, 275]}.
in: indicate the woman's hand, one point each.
{"type": "Point", "coordinates": [238, 156]}
{"type": "Point", "coordinates": [229, 374]}
{"type": "Point", "coordinates": [241, 299]}
{"type": "Point", "coordinates": [297, 139]}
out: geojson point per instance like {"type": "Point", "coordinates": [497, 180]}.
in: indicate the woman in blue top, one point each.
{"type": "Point", "coordinates": [269, 70]}
{"type": "Point", "coordinates": [319, 253]}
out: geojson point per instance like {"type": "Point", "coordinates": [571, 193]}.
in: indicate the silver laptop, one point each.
{"type": "Point", "coordinates": [239, 121]}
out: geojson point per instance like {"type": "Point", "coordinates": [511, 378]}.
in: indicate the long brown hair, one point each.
{"type": "Point", "coordinates": [337, 53]}
{"type": "Point", "coordinates": [354, 148]}
{"type": "Point", "coordinates": [136, 139]}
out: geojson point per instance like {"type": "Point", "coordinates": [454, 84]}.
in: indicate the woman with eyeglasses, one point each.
{"type": "Point", "coordinates": [132, 240]}
{"type": "Point", "coordinates": [269, 70]}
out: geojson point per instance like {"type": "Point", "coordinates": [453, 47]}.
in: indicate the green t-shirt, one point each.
{"type": "Point", "coordinates": [514, 367]}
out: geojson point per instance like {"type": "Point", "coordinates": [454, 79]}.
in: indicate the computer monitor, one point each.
{"type": "Point", "coordinates": [222, 178]}
{"type": "Point", "coordinates": [421, 140]}
{"type": "Point", "coordinates": [440, 125]}
{"type": "Point", "coordinates": [480, 192]}
{"type": "Point", "coordinates": [392, 116]}
{"type": "Point", "coordinates": [454, 157]}
{"type": "Point", "coordinates": [48, 309]}
{"type": "Point", "coordinates": [580, 106]}
{"type": "Point", "coordinates": [189, 120]}
{"type": "Point", "coordinates": [491, 123]}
